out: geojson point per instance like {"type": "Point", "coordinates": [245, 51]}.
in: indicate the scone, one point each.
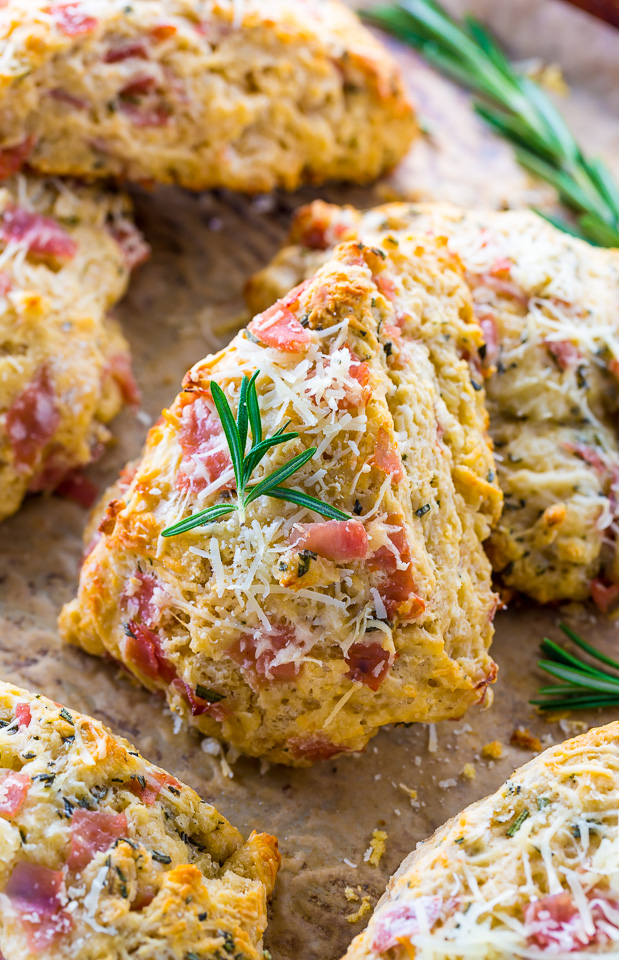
{"type": "Point", "coordinates": [530, 871]}
{"type": "Point", "coordinates": [293, 636]}
{"type": "Point", "coordinates": [105, 855]}
{"type": "Point", "coordinates": [245, 94]}
{"type": "Point", "coordinates": [547, 303]}
{"type": "Point", "coordinates": [65, 372]}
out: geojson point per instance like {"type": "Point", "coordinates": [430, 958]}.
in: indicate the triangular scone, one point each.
{"type": "Point", "coordinates": [290, 636]}
{"type": "Point", "coordinates": [547, 303]}
{"type": "Point", "coordinates": [102, 854]}
{"type": "Point", "coordinates": [530, 871]}
{"type": "Point", "coordinates": [65, 257]}
{"type": "Point", "coordinates": [245, 94]}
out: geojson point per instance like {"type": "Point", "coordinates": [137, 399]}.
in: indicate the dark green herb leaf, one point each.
{"type": "Point", "coordinates": [517, 823]}
{"type": "Point", "coordinates": [304, 500]}
{"type": "Point", "coordinates": [211, 695]}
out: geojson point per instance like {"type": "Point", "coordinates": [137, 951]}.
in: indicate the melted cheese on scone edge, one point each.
{"type": "Point", "coordinates": [65, 367]}
{"type": "Point", "coordinates": [530, 871]}
{"type": "Point", "coordinates": [308, 655]}
{"type": "Point", "coordinates": [121, 854]}
{"type": "Point", "coordinates": [245, 94]}
{"type": "Point", "coordinates": [547, 304]}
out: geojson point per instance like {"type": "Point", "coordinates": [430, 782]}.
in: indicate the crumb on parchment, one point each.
{"type": "Point", "coordinates": [522, 737]}
{"type": "Point", "coordinates": [492, 750]}
{"type": "Point", "coordinates": [468, 771]}
{"type": "Point", "coordinates": [376, 848]}
{"type": "Point", "coordinates": [364, 908]}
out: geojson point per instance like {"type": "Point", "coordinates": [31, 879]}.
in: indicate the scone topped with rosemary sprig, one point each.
{"type": "Point", "coordinates": [244, 94]}
{"type": "Point", "coordinates": [530, 871]}
{"type": "Point", "coordinates": [102, 854]}
{"type": "Point", "coordinates": [297, 558]}
{"type": "Point", "coordinates": [547, 303]}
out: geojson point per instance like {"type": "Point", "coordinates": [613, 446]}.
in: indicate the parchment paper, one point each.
{"type": "Point", "coordinates": [185, 302]}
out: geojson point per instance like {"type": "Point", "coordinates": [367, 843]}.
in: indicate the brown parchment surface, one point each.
{"type": "Point", "coordinates": [185, 302]}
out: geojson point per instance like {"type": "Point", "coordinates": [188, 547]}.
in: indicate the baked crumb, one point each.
{"type": "Point", "coordinates": [361, 912]}
{"type": "Point", "coordinates": [522, 737]}
{"type": "Point", "coordinates": [468, 771]}
{"type": "Point", "coordinates": [492, 750]}
{"type": "Point", "coordinates": [376, 848]}
{"type": "Point", "coordinates": [350, 894]}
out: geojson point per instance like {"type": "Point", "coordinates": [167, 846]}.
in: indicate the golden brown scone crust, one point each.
{"type": "Point", "coordinates": [530, 871]}
{"type": "Point", "coordinates": [302, 653]}
{"type": "Point", "coordinates": [547, 303]}
{"type": "Point", "coordinates": [245, 94]}
{"type": "Point", "coordinates": [105, 855]}
{"type": "Point", "coordinates": [64, 364]}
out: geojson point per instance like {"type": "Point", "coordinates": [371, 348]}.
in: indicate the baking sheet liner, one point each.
{"type": "Point", "coordinates": [187, 301]}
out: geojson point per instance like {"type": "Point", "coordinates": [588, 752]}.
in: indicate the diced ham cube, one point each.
{"type": "Point", "coordinates": [339, 540]}
{"type": "Point", "coordinates": [32, 419]}
{"type": "Point", "coordinates": [41, 235]}
{"type": "Point", "coordinates": [604, 595]}
{"type": "Point", "coordinates": [256, 652]}
{"type": "Point", "coordinates": [387, 458]}
{"type": "Point", "coordinates": [142, 601]}
{"type": "Point", "coordinates": [146, 113]}
{"type": "Point", "coordinates": [91, 832]}
{"type": "Point", "coordinates": [277, 327]}
{"type": "Point", "coordinates": [71, 19]}
{"type": "Point", "coordinates": [315, 747]}
{"type": "Point", "coordinates": [395, 583]}
{"type": "Point", "coordinates": [386, 286]}
{"type": "Point", "coordinates": [75, 486]}
{"type": "Point", "coordinates": [369, 664]}
{"type": "Point", "coordinates": [205, 452]}
{"type": "Point", "coordinates": [487, 322]}
{"type": "Point", "coordinates": [23, 714]}
{"type": "Point", "coordinates": [140, 84]}
{"type": "Point", "coordinates": [36, 892]}
{"type": "Point", "coordinates": [14, 788]}
{"type": "Point", "coordinates": [399, 922]}
{"type": "Point", "coordinates": [63, 96]}
{"type": "Point", "coordinates": [13, 158]}
{"type": "Point", "coordinates": [554, 922]}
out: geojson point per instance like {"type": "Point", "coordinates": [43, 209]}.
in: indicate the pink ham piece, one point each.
{"type": "Point", "coordinates": [369, 664]}
{"type": "Point", "coordinates": [13, 158]}
{"type": "Point", "coordinates": [32, 419]}
{"type": "Point", "coordinates": [315, 747]}
{"type": "Point", "coordinates": [205, 454]}
{"type": "Point", "coordinates": [63, 96]}
{"type": "Point", "coordinates": [146, 113]}
{"type": "Point", "coordinates": [565, 353]}
{"type": "Point", "coordinates": [555, 924]}
{"type": "Point", "coordinates": [396, 585]}
{"type": "Point", "coordinates": [277, 327]}
{"type": "Point", "coordinates": [119, 368]}
{"type": "Point", "coordinates": [23, 714]}
{"type": "Point", "coordinates": [154, 783]}
{"type": "Point", "coordinates": [5, 284]}
{"type": "Point", "coordinates": [487, 322]}
{"type": "Point", "coordinates": [604, 595]}
{"type": "Point", "coordinates": [126, 51]}
{"type": "Point", "coordinates": [36, 892]}
{"type": "Point", "coordinates": [399, 922]}
{"type": "Point", "coordinates": [13, 791]}
{"type": "Point", "coordinates": [141, 601]}
{"type": "Point", "coordinates": [133, 245]}
{"type": "Point", "coordinates": [75, 486]}
{"type": "Point", "coordinates": [143, 651]}
{"type": "Point", "coordinates": [71, 19]}
{"type": "Point", "coordinates": [361, 390]}
{"type": "Point", "coordinates": [199, 706]}
{"type": "Point", "coordinates": [386, 458]}
{"type": "Point", "coordinates": [256, 652]}
{"type": "Point", "coordinates": [339, 540]}
{"type": "Point", "coordinates": [91, 832]}
{"type": "Point", "coordinates": [41, 235]}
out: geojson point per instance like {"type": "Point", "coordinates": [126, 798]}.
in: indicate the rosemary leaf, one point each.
{"type": "Point", "coordinates": [304, 500]}
{"type": "Point", "coordinates": [282, 473]}
{"type": "Point", "coordinates": [199, 519]}
{"type": "Point", "coordinates": [253, 410]}
{"type": "Point", "coordinates": [231, 431]}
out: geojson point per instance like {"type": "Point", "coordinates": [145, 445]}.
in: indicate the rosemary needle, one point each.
{"type": "Point", "coordinates": [516, 108]}
{"type": "Point", "coordinates": [236, 431]}
{"type": "Point", "coordinates": [585, 685]}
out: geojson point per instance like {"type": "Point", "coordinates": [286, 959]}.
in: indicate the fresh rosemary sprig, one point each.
{"type": "Point", "coordinates": [248, 418]}
{"type": "Point", "coordinates": [516, 108]}
{"type": "Point", "coordinates": [585, 686]}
